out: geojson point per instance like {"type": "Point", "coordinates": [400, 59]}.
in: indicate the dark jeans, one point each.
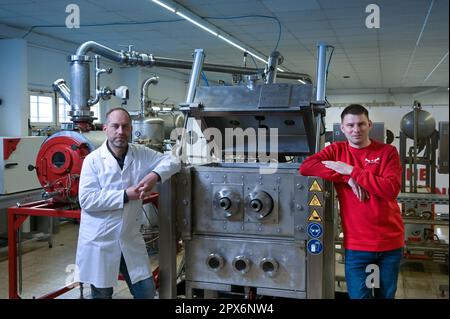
{"type": "Point", "coordinates": [387, 264]}
{"type": "Point", "coordinates": [144, 289]}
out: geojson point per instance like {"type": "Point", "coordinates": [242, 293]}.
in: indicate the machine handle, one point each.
{"type": "Point", "coordinates": [9, 165]}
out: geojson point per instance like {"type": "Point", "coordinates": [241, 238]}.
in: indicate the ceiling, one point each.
{"type": "Point", "coordinates": [408, 50]}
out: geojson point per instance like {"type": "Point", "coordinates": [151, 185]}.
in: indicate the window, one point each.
{"type": "Point", "coordinates": [64, 108]}
{"type": "Point", "coordinates": [96, 109]}
{"type": "Point", "coordinates": [41, 109]}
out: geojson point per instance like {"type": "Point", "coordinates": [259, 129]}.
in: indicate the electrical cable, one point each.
{"type": "Point", "coordinates": [326, 70]}
{"type": "Point", "coordinates": [205, 79]}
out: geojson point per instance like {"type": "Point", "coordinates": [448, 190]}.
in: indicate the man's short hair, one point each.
{"type": "Point", "coordinates": [355, 109]}
{"type": "Point", "coordinates": [116, 109]}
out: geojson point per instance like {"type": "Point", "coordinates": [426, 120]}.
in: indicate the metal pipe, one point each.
{"type": "Point", "coordinates": [275, 58]}
{"type": "Point", "coordinates": [199, 57]}
{"type": "Point", "coordinates": [318, 130]}
{"type": "Point", "coordinates": [416, 142]}
{"type": "Point", "coordinates": [63, 90]}
{"type": "Point", "coordinates": [80, 89]}
{"type": "Point", "coordinates": [167, 242]}
{"type": "Point", "coordinates": [321, 71]}
{"type": "Point", "coordinates": [144, 97]}
{"type": "Point", "coordinates": [433, 148]}
{"type": "Point", "coordinates": [403, 157]}
{"type": "Point", "coordinates": [98, 72]}
{"type": "Point", "coordinates": [91, 46]}
{"type": "Point", "coordinates": [211, 67]}
{"type": "Point", "coordinates": [151, 61]}
{"type": "Point", "coordinates": [412, 172]}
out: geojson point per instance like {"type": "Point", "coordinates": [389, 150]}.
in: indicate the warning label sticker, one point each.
{"type": "Point", "coordinates": [314, 217]}
{"type": "Point", "coordinates": [315, 201]}
{"type": "Point", "coordinates": [315, 187]}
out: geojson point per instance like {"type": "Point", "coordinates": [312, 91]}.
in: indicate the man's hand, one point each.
{"type": "Point", "coordinates": [146, 184]}
{"type": "Point", "coordinates": [132, 193]}
{"type": "Point", "coordinates": [360, 192]}
{"type": "Point", "coordinates": [340, 167]}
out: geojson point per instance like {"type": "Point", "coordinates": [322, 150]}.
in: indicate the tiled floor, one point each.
{"type": "Point", "coordinates": [412, 284]}
{"type": "Point", "coordinates": [45, 270]}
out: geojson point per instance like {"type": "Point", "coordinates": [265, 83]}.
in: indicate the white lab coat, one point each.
{"type": "Point", "coordinates": [108, 227]}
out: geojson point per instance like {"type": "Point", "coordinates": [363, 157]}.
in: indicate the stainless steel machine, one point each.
{"type": "Point", "coordinates": [247, 217]}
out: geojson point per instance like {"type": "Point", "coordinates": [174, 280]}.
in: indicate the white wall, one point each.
{"type": "Point", "coordinates": [433, 96]}
{"type": "Point", "coordinates": [14, 112]}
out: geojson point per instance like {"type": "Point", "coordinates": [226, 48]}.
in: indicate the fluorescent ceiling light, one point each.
{"type": "Point", "coordinates": [232, 43]}
{"type": "Point", "coordinates": [257, 57]}
{"type": "Point", "coordinates": [280, 69]}
{"type": "Point", "coordinates": [196, 23]}
{"type": "Point", "coordinates": [164, 5]}
{"type": "Point", "coordinates": [301, 81]}
{"type": "Point", "coordinates": [437, 65]}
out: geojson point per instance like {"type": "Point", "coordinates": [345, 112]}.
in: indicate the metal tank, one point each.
{"type": "Point", "coordinates": [59, 161]}
{"type": "Point", "coordinates": [172, 119]}
{"type": "Point", "coordinates": [149, 132]}
{"type": "Point", "coordinates": [426, 124]}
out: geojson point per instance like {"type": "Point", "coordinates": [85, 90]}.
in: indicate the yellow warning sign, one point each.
{"type": "Point", "coordinates": [314, 216]}
{"type": "Point", "coordinates": [315, 187]}
{"type": "Point", "coordinates": [315, 201]}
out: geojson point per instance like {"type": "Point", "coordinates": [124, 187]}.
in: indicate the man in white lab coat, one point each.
{"type": "Point", "coordinates": [114, 179]}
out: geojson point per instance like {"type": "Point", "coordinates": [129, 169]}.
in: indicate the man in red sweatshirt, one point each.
{"type": "Point", "coordinates": [367, 178]}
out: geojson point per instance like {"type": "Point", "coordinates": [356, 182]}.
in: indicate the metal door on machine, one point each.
{"type": "Point", "coordinates": [16, 154]}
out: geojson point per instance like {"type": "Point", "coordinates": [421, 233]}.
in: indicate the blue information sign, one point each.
{"type": "Point", "coordinates": [315, 246]}
{"type": "Point", "coordinates": [315, 230]}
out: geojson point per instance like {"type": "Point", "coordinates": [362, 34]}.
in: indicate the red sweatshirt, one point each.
{"type": "Point", "coordinates": [375, 224]}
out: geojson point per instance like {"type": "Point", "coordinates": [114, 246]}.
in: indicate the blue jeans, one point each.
{"type": "Point", "coordinates": [383, 270]}
{"type": "Point", "coordinates": [144, 289]}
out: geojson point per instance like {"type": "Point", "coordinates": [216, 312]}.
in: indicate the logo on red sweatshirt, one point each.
{"type": "Point", "coordinates": [372, 161]}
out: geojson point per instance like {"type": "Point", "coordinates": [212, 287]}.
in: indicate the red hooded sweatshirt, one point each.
{"type": "Point", "coordinates": [376, 224]}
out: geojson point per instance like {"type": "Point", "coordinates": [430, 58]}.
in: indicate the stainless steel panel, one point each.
{"type": "Point", "coordinates": [245, 179]}
{"type": "Point", "coordinates": [240, 98]}
{"type": "Point", "coordinates": [289, 255]}
{"type": "Point", "coordinates": [285, 107]}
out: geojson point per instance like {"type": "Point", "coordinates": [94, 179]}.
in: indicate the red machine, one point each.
{"type": "Point", "coordinates": [59, 161]}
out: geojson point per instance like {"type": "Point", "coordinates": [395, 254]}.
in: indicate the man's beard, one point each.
{"type": "Point", "coordinates": [119, 142]}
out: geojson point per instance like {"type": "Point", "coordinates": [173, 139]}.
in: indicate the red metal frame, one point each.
{"type": "Point", "coordinates": [16, 217]}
